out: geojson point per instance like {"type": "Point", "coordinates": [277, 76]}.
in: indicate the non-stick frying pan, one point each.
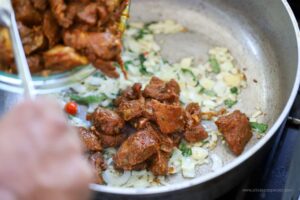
{"type": "Point", "coordinates": [263, 37]}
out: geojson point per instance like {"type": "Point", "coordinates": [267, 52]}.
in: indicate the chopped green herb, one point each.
{"type": "Point", "coordinates": [234, 90]}
{"type": "Point", "coordinates": [149, 24]}
{"type": "Point", "coordinates": [143, 69]}
{"type": "Point", "coordinates": [209, 93]}
{"type": "Point", "coordinates": [229, 102]}
{"type": "Point", "coordinates": [186, 152]}
{"type": "Point", "coordinates": [188, 71]}
{"type": "Point", "coordinates": [86, 100]}
{"type": "Point", "coordinates": [129, 62]}
{"type": "Point", "coordinates": [259, 127]}
{"type": "Point", "coordinates": [215, 66]}
{"type": "Point", "coordinates": [202, 89]}
{"type": "Point", "coordinates": [141, 33]}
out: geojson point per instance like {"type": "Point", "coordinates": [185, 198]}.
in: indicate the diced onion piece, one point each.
{"type": "Point", "coordinates": [188, 167]}
{"type": "Point", "coordinates": [114, 178]}
{"type": "Point", "coordinates": [199, 154]}
{"type": "Point", "coordinates": [216, 162]}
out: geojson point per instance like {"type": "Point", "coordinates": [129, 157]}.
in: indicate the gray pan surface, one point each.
{"type": "Point", "coordinates": [262, 38]}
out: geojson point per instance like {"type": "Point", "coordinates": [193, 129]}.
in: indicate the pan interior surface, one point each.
{"type": "Point", "coordinates": [263, 47]}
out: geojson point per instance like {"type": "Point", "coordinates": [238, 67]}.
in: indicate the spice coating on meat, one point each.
{"type": "Point", "coordinates": [90, 140]}
{"type": "Point", "coordinates": [162, 91]}
{"type": "Point", "coordinates": [98, 163]}
{"type": "Point", "coordinates": [136, 149]}
{"type": "Point", "coordinates": [236, 130]}
{"type": "Point", "coordinates": [170, 118]}
{"type": "Point", "coordinates": [90, 28]}
{"type": "Point", "coordinates": [159, 165]}
{"type": "Point", "coordinates": [106, 121]}
{"type": "Point", "coordinates": [61, 58]}
{"type": "Point", "coordinates": [195, 134]}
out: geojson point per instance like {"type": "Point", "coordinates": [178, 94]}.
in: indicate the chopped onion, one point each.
{"type": "Point", "coordinates": [216, 162]}
{"type": "Point", "coordinates": [115, 178]}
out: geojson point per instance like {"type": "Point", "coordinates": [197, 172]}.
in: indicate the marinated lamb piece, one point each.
{"type": "Point", "coordinates": [59, 9]}
{"type": "Point", "coordinates": [131, 109]}
{"type": "Point", "coordinates": [112, 140]}
{"type": "Point", "coordinates": [106, 121]}
{"type": "Point", "coordinates": [51, 29]}
{"type": "Point", "coordinates": [140, 123]}
{"type": "Point", "coordinates": [170, 118]}
{"type": "Point", "coordinates": [195, 134]}
{"type": "Point", "coordinates": [91, 28]}
{"type": "Point", "coordinates": [40, 4]}
{"type": "Point", "coordinates": [140, 166]}
{"type": "Point", "coordinates": [148, 111]}
{"type": "Point", "coordinates": [89, 13]}
{"type": "Point", "coordinates": [102, 53]}
{"type": "Point", "coordinates": [26, 13]}
{"type": "Point", "coordinates": [236, 130]}
{"type": "Point", "coordinates": [60, 58]}
{"type": "Point", "coordinates": [166, 143]}
{"type": "Point", "coordinates": [193, 114]}
{"type": "Point", "coordinates": [131, 93]}
{"type": "Point", "coordinates": [159, 165]}
{"type": "Point", "coordinates": [32, 38]}
{"type": "Point", "coordinates": [6, 53]}
{"type": "Point", "coordinates": [138, 147]}
{"type": "Point", "coordinates": [98, 163]}
{"type": "Point", "coordinates": [35, 63]}
{"type": "Point", "coordinates": [90, 140]}
{"type": "Point", "coordinates": [162, 91]}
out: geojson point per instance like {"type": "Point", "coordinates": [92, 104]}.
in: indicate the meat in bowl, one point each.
{"type": "Point", "coordinates": [60, 35]}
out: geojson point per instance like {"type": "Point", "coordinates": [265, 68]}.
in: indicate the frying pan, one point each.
{"type": "Point", "coordinates": [263, 37]}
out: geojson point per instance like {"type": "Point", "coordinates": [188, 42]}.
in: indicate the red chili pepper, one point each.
{"type": "Point", "coordinates": [146, 53]}
{"type": "Point", "coordinates": [71, 108]}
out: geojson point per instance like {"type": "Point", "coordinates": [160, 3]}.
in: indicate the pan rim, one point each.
{"type": "Point", "coordinates": [237, 161]}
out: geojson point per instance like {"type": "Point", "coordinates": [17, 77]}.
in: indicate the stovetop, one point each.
{"type": "Point", "coordinates": [279, 176]}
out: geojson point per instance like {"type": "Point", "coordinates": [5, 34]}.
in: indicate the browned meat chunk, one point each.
{"type": "Point", "coordinates": [195, 134]}
{"type": "Point", "coordinates": [193, 114]}
{"type": "Point", "coordinates": [40, 4]}
{"type": "Point", "coordinates": [139, 123]}
{"type": "Point", "coordinates": [166, 143]}
{"type": "Point", "coordinates": [98, 163]}
{"type": "Point", "coordinates": [61, 58]}
{"type": "Point", "coordinates": [131, 109]}
{"type": "Point", "coordinates": [35, 63]}
{"type": "Point", "coordinates": [159, 165]}
{"type": "Point", "coordinates": [131, 93]}
{"type": "Point", "coordinates": [111, 140]}
{"type": "Point", "coordinates": [161, 91]}
{"type": "Point", "coordinates": [89, 14]}
{"type": "Point", "coordinates": [7, 57]}
{"type": "Point", "coordinates": [51, 29]}
{"type": "Point", "coordinates": [101, 53]}
{"type": "Point", "coordinates": [236, 130]}
{"type": "Point", "coordinates": [138, 147]}
{"type": "Point", "coordinates": [26, 13]}
{"type": "Point", "coordinates": [32, 39]}
{"type": "Point", "coordinates": [140, 166]}
{"type": "Point", "coordinates": [170, 118]}
{"type": "Point", "coordinates": [106, 121]}
{"type": "Point", "coordinates": [59, 8]}
{"type": "Point", "coordinates": [90, 140]}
